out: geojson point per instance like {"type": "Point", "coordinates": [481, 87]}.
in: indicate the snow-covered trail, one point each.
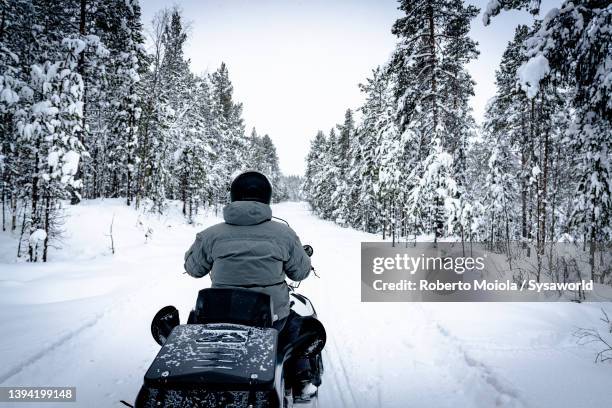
{"type": "Point", "coordinates": [90, 329]}
{"type": "Point", "coordinates": [440, 355]}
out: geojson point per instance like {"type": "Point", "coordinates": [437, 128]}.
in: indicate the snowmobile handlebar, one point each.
{"type": "Point", "coordinates": [309, 251]}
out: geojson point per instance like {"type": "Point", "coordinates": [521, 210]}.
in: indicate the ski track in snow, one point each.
{"type": "Point", "coordinates": [341, 378]}
{"type": "Point", "coordinates": [377, 355]}
{"type": "Point", "coordinates": [45, 351]}
{"type": "Point", "coordinates": [61, 343]}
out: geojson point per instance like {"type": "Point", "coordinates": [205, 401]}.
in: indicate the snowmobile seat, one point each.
{"type": "Point", "coordinates": [234, 305]}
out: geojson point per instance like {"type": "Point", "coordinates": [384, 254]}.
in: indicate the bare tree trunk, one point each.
{"type": "Point", "coordinates": [131, 153]}
{"type": "Point", "coordinates": [545, 188]}
{"type": "Point", "coordinates": [393, 226]}
{"type": "Point", "coordinates": [2, 24]}
{"type": "Point", "coordinates": [128, 186]}
{"type": "Point", "coordinates": [191, 212]}
{"type": "Point", "coordinates": [542, 197]}
{"type": "Point", "coordinates": [23, 228]}
{"type": "Point", "coordinates": [491, 245]}
{"type": "Point", "coordinates": [94, 164]}
{"type": "Point", "coordinates": [438, 222]}
{"type": "Point", "coordinates": [13, 211]}
{"type": "Point", "coordinates": [539, 214]}
{"type": "Point", "coordinates": [524, 189]}
{"type": "Point", "coordinates": [530, 213]}
{"type": "Point", "coordinates": [462, 241]}
{"type": "Point", "coordinates": [47, 227]}
{"type": "Point", "coordinates": [3, 205]}
{"type": "Point", "coordinates": [593, 236]}
{"type": "Point", "coordinates": [384, 223]}
{"type": "Point", "coordinates": [112, 239]}
{"type": "Point", "coordinates": [35, 198]}
{"type": "Point", "coordinates": [184, 191]}
{"type": "Point", "coordinates": [508, 243]}
{"type": "Point", "coordinates": [553, 209]}
{"type": "Point", "coordinates": [76, 191]}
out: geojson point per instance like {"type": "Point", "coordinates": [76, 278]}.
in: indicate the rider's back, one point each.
{"type": "Point", "coordinates": [249, 250]}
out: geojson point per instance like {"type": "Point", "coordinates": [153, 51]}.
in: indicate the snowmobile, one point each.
{"type": "Point", "coordinates": [229, 355]}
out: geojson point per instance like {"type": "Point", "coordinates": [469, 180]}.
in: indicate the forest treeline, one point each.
{"type": "Point", "coordinates": [87, 111]}
{"type": "Point", "coordinates": [536, 172]}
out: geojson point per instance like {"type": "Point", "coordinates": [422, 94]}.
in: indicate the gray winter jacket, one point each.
{"type": "Point", "coordinates": [249, 250]}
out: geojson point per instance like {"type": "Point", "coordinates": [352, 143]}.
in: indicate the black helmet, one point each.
{"type": "Point", "coordinates": [251, 186]}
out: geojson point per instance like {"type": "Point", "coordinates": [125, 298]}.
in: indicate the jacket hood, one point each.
{"type": "Point", "coordinates": [246, 213]}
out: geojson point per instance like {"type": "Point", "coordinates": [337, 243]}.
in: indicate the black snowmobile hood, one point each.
{"type": "Point", "coordinates": [247, 213]}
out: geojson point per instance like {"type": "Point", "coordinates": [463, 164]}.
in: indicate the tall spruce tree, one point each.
{"type": "Point", "coordinates": [432, 93]}
{"type": "Point", "coordinates": [231, 141]}
{"type": "Point", "coordinates": [127, 62]}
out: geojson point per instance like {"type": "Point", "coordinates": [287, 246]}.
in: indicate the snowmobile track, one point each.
{"type": "Point", "coordinates": [42, 353]}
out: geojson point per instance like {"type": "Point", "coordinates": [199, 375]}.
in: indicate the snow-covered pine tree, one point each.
{"type": "Point", "coordinates": [196, 154]}
{"type": "Point", "coordinates": [499, 194]}
{"type": "Point", "coordinates": [524, 135]}
{"type": "Point", "coordinates": [458, 122]}
{"type": "Point", "coordinates": [343, 144]}
{"type": "Point", "coordinates": [53, 128]}
{"type": "Point", "coordinates": [256, 154]}
{"type": "Point", "coordinates": [346, 151]}
{"type": "Point", "coordinates": [21, 46]}
{"type": "Point", "coordinates": [328, 187]}
{"type": "Point", "coordinates": [230, 140]}
{"type": "Point", "coordinates": [379, 163]}
{"type": "Point", "coordinates": [127, 61]}
{"type": "Point", "coordinates": [293, 186]}
{"type": "Point", "coordinates": [44, 132]}
{"type": "Point", "coordinates": [353, 209]}
{"type": "Point", "coordinates": [432, 93]}
{"type": "Point", "coordinates": [154, 119]}
{"type": "Point", "coordinates": [377, 113]}
{"type": "Point", "coordinates": [321, 173]}
{"type": "Point", "coordinates": [178, 85]}
{"type": "Point", "coordinates": [15, 33]}
{"type": "Point", "coordinates": [314, 175]}
{"type": "Point", "coordinates": [393, 188]}
{"type": "Point", "coordinates": [574, 42]}
{"type": "Point", "coordinates": [262, 157]}
{"type": "Point", "coordinates": [86, 19]}
{"type": "Point", "coordinates": [508, 118]}
{"type": "Point", "coordinates": [271, 168]}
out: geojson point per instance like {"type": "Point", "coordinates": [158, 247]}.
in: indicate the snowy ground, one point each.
{"type": "Point", "coordinates": [83, 320]}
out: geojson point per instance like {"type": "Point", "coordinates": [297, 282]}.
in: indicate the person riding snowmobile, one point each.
{"type": "Point", "coordinates": [251, 251]}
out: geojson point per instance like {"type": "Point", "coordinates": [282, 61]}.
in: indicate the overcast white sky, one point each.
{"type": "Point", "coordinates": [296, 64]}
